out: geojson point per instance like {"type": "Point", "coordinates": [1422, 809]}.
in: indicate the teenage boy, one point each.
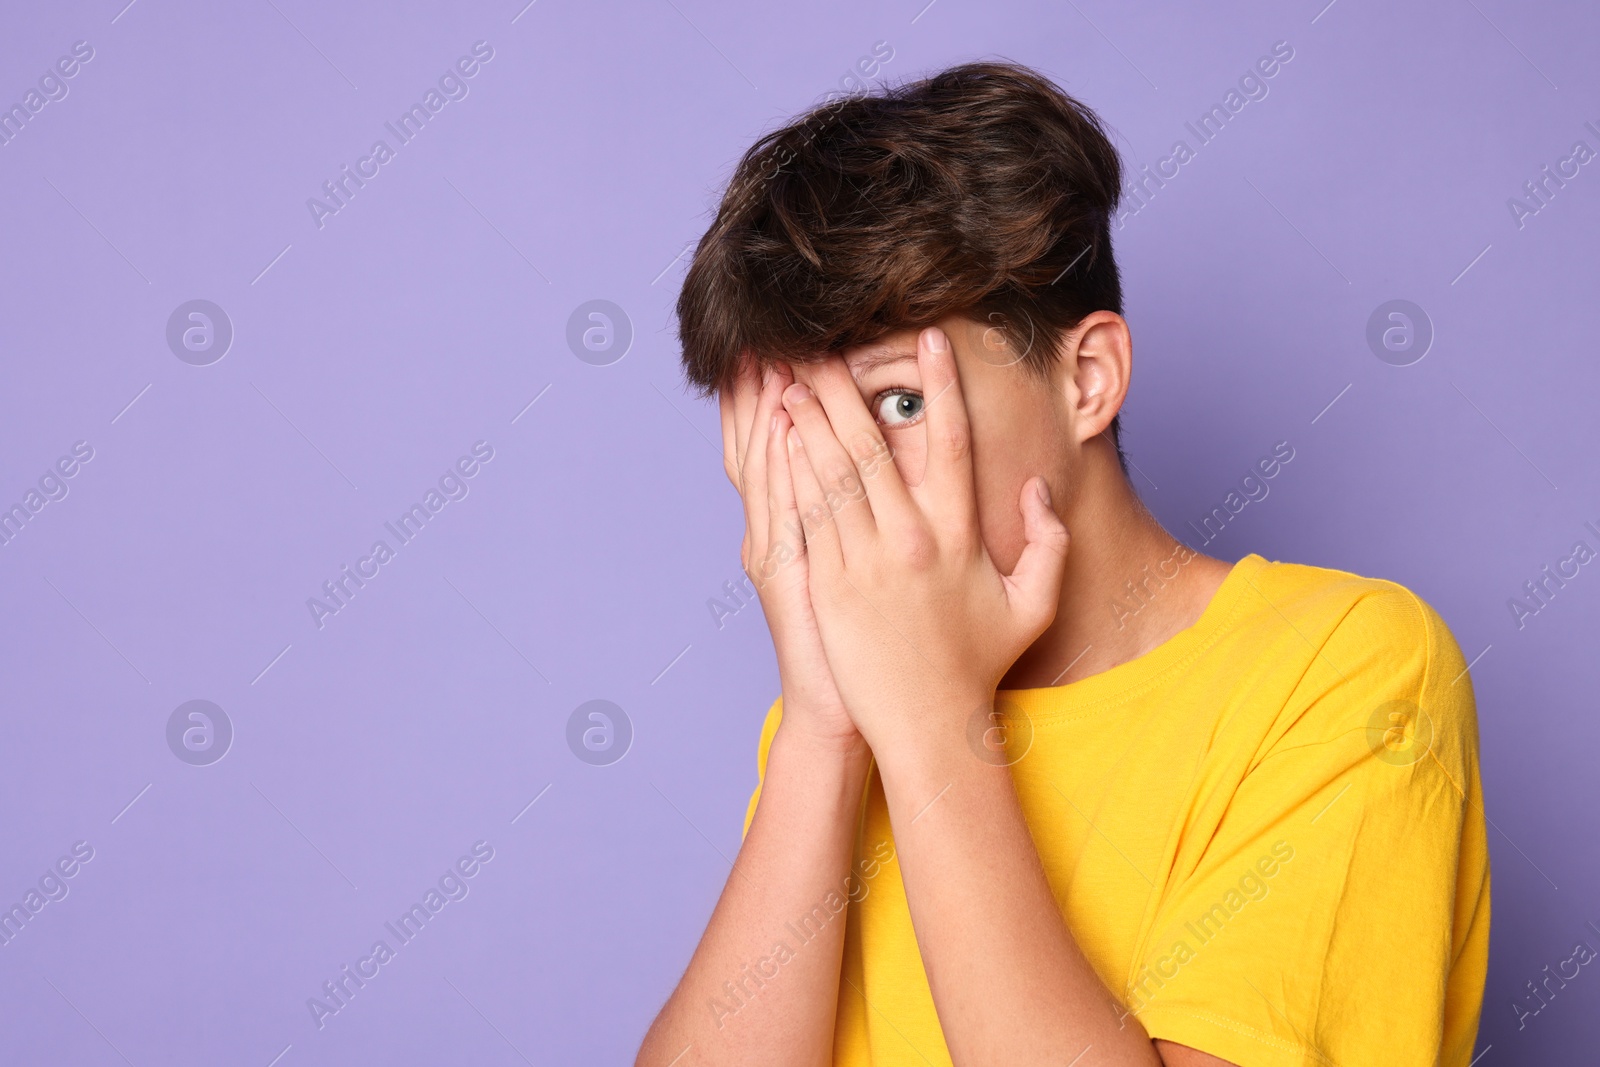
{"type": "Point", "coordinates": [1044, 786]}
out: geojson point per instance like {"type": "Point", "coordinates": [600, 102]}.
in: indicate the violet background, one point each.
{"type": "Point", "coordinates": [429, 312]}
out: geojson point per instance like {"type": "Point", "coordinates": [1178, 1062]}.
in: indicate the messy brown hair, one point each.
{"type": "Point", "coordinates": [983, 190]}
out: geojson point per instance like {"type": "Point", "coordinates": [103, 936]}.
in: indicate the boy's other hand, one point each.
{"type": "Point", "coordinates": [754, 429]}
{"type": "Point", "coordinates": [918, 624]}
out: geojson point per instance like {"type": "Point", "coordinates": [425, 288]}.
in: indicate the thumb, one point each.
{"type": "Point", "coordinates": [1034, 585]}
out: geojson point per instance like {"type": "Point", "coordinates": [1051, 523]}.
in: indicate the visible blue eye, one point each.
{"type": "Point", "coordinates": [898, 407]}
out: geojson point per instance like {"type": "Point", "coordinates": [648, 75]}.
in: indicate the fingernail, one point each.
{"type": "Point", "coordinates": [794, 439]}
{"type": "Point", "coordinates": [935, 339]}
{"type": "Point", "coordinates": [773, 425]}
{"type": "Point", "coordinates": [797, 393]}
{"type": "Point", "coordinates": [1044, 492]}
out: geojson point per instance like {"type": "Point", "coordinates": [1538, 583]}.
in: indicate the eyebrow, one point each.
{"type": "Point", "coordinates": [862, 364]}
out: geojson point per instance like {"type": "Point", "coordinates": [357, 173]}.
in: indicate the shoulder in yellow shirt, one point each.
{"type": "Point", "coordinates": [1267, 836]}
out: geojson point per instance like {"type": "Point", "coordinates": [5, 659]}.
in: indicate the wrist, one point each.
{"type": "Point", "coordinates": [935, 730]}
{"type": "Point", "coordinates": [960, 739]}
{"type": "Point", "coordinates": [922, 757]}
{"type": "Point", "coordinates": [797, 738]}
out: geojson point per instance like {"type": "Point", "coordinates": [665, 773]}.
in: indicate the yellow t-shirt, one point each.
{"type": "Point", "coordinates": [1262, 845]}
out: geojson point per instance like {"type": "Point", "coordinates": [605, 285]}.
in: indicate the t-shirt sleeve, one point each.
{"type": "Point", "coordinates": [769, 728]}
{"type": "Point", "coordinates": [1338, 915]}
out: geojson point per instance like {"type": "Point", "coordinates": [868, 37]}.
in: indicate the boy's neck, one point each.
{"type": "Point", "coordinates": [1102, 622]}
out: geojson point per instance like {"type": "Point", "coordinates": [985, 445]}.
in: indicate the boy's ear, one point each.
{"type": "Point", "coordinates": [1095, 366]}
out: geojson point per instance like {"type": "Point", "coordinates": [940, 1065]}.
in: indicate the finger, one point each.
{"type": "Point", "coordinates": [754, 446]}
{"type": "Point", "coordinates": [774, 379]}
{"type": "Point", "coordinates": [948, 494]}
{"type": "Point", "coordinates": [821, 532]}
{"type": "Point", "coordinates": [787, 541]}
{"type": "Point", "coordinates": [858, 431]}
{"type": "Point", "coordinates": [1034, 585]}
{"type": "Point", "coordinates": [835, 473]}
{"type": "Point", "coordinates": [746, 389]}
{"type": "Point", "coordinates": [754, 477]}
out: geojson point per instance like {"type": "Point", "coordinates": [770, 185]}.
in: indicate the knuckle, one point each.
{"type": "Point", "coordinates": [920, 549]}
{"type": "Point", "coordinates": [956, 440]}
{"type": "Point", "coordinates": [867, 448]}
{"type": "Point", "coordinates": [964, 541]}
{"type": "Point", "coordinates": [816, 519]}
